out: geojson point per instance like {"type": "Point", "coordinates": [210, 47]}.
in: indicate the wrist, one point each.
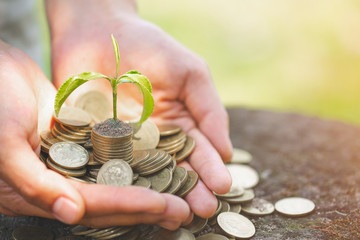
{"type": "Point", "coordinates": [65, 16]}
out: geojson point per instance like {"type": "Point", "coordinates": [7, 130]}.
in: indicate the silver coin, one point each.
{"type": "Point", "coordinates": [116, 172]}
{"type": "Point", "coordinates": [243, 175]}
{"type": "Point", "coordinates": [236, 225]}
{"type": "Point", "coordinates": [294, 206]}
{"type": "Point", "coordinates": [69, 155]}
{"type": "Point", "coordinates": [258, 207]}
{"type": "Point", "coordinates": [241, 156]}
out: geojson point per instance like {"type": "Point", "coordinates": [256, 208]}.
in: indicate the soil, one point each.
{"type": "Point", "coordinates": [113, 128]}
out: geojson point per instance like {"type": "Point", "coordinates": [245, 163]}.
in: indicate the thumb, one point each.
{"type": "Point", "coordinates": [29, 177]}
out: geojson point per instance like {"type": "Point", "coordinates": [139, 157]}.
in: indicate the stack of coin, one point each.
{"type": "Point", "coordinates": [174, 140]}
{"type": "Point", "coordinates": [108, 146]}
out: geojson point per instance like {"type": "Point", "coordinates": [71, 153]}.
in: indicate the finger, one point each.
{"type": "Point", "coordinates": [201, 200]}
{"type": "Point", "coordinates": [207, 163]}
{"type": "Point", "coordinates": [210, 114]}
{"type": "Point", "coordinates": [175, 213]}
{"type": "Point", "coordinates": [102, 200]}
{"type": "Point", "coordinates": [23, 171]}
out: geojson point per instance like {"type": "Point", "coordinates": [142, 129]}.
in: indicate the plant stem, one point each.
{"type": "Point", "coordinates": [114, 88]}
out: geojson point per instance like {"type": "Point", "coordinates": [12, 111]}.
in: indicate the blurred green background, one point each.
{"type": "Point", "coordinates": [286, 55]}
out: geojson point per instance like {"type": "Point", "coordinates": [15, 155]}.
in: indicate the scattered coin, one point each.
{"type": "Point", "coordinates": [116, 172]}
{"type": "Point", "coordinates": [236, 225]}
{"type": "Point", "coordinates": [32, 232]}
{"type": "Point", "coordinates": [243, 175]}
{"type": "Point", "coordinates": [197, 224]}
{"type": "Point", "coordinates": [236, 190]}
{"type": "Point", "coordinates": [142, 182]}
{"type": "Point", "coordinates": [258, 207]}
{"type": "Point", "coordinates": [212, 236]}
{"type": "Point", "coordinates": [179, 234]}
{"type": "Point", "coordinates": [246, 197]}
{"type": "Point", "coordinates": [236, 208]}
{"type": "Point", "coordinates": [241, 156]}
{"type": "Point", "coordinates": [294, 206]}
{"type": "Point", "coordinates": [69, 155]}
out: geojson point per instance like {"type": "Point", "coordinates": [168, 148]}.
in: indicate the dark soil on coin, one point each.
{"type": "Point", "coordinates": [112, 128]}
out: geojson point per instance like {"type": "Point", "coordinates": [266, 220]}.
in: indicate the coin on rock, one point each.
{"type": "Point", "coordinates": [197, 224]}
{"type": "Point", "coordinates": [212, 236]}
{"type": "Point", "coordinates": [179, 234]}
{"type": "Point", "coordinates": [236, 225]}
{"type": "Point", "coordinates": [69, 155]}
{"type": "Point", "coordinates": [72, 116]}
{"type": "Point", "coordinates": [258, 207]}
{"type": "Point", "coordinates": [236, 190]}
{"type": "Point", "coordinates": [116, 172]}
{"type": "Point", "coordinates": [168, 129]}
{"type": "Point", "coordinates": [294, 206]}
{"type": "Point", "coordinates": [246, 197]}
{"type": "Point", "coordinates": [32, 232]}
{"type": "Point", "coordinates": [241, 156]}
{"type": "Point", "coordinates": [243, 175]}
{"type": "Point", "coordinates": [147, 136]}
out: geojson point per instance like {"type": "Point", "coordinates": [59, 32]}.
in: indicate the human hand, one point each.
{"type": "Point", "coordinates": [182, 87]}
{"type": "Point", "coordinates": [27, 187]}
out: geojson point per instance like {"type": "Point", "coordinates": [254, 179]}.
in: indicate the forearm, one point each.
{"type": "Point", "coordinates": [65, 15]}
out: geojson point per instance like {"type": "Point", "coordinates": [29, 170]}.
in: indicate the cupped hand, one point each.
{"type": "Point", "coordinates": [182, 86]}
{"type": "Point", "coordinates": [27, 187]}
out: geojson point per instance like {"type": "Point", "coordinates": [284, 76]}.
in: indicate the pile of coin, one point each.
{"type": "Point", "coordinates": [112, 160]}
{"type": "Point", "coordinates": [107, 147]}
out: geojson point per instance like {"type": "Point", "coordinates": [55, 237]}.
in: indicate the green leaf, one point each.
{"type": "Point", "coordinates": [71, 84]}
{"type": "Point", "coordinates": [145, 88]}
{"type": "Point", "coordinates": [117, 54]}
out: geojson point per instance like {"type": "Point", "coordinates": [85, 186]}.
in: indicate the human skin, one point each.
{"type": "Point", "coordinates": [27, 187]}
{"type": "Point", "coordinates": [182, 86]}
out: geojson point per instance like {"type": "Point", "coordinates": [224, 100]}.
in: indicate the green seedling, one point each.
{"type": "Point", "coordinates": [132, 76]}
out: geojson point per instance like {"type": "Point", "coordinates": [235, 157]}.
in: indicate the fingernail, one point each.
{"type": "Point", "coordinates": [65, 210]}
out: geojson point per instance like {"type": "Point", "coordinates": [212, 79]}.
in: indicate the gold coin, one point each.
{"type": "Point", "coordinates": [171, 140]}
{"type": "Point", "coordinates": [191, 182]}
{"type": "Point", "coordinates": [174, 186]}
{"type": "Point", "coordinates": [115, 173]}
{"type": "Point", "coordinates": [246, 197]}
{"type": "Point", "coordinates": [179, 234]}
{"type": "Point", "coordinates": [32, 232]}
{"type": "Point", "coordinates": [147, 136]}
{"type": "Point", "coordinates": [168, 129]}
{"type": "Point", "coordinates": [72, 116]}
{"type": "Point", "coordinates": [67, 172]}
{"type": "Point", "coordinates": [181, 174]}
{"type": "Point", "coordinates": [187, 150]}
{"type": "Point", "coordinates": [258, 207]}
{"type": "Point", "coordinates": [197, 224]}
{"type": "Point", "coordinates": [236, 225]}
{"type": "Point", "coordinates": [175, 145]}
{"type": "Point", "coordinates": [154, 156]}
{"type": "Point", "coordinates": [48, 137]}
{"type": "Point", "coordinates": [212, 236]}
{"type": "Point", "coordinates": [44, 147]}
{"type": "Point", "coordinates": [96, 104]}
{"type": "Point", "coordinates": [175, 149]}
{"type": "Point", "coordinates": [69, 155]}
{"type": "Point", "coordinates": [62, 139]}
{"type": "Point", "coordinates": [142, 182]}
{"type": "Point", "coordinates": [294, 206]}
{"type": "Point", "coordinates": [243, 175]}
{"type": "Point", "coordinates": [139, 156]}
{"type": "Point", "coordinates": [161, 180]}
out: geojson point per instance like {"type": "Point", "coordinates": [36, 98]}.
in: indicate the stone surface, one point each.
{"type": "Point", "coordinates": [295, 155]}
